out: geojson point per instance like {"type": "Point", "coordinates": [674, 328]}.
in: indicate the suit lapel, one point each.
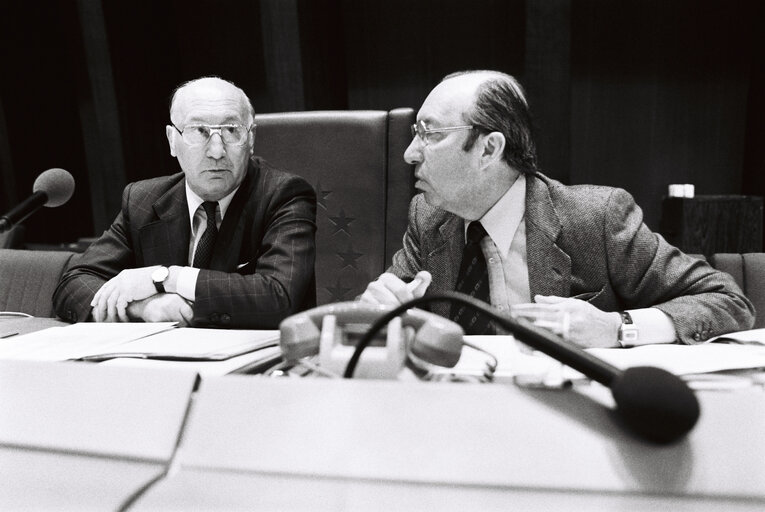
{"type": "Point", "coordinates": [549, 266]}
{"type": "Point", "coordinates": [445, 260]}
{"type": "Point", "coordinates": [166, 241]}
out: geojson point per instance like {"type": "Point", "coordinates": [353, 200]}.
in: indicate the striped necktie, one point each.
{"type": "Point", "coordinates": [473, 280]}
{"type": "Point", "coordinates": [206, 244]}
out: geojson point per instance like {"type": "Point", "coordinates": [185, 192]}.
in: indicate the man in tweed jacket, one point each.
{"type": "Point", "coordinates": [259, 266]}
{"type": "Point", "coordinates": [583, 250]}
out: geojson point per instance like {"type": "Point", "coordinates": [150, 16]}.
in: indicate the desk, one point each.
{"type": "Point", "coordinates": [372, 445]}
{"type": "Point", "coordinates": [249, 442]}
{"type": "Point", "coordinates": [80, 436]}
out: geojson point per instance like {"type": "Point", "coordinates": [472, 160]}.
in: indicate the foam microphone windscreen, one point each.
{"type": "Point", "coordinates": [655, 403]}
{"type": "Point", "coordinates": [57, 184]}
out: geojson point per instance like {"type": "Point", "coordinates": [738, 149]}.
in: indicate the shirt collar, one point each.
{"type": "Point", "coordinates": [502, 219]}
{"type": "Point", "coordinates": [194, 201]}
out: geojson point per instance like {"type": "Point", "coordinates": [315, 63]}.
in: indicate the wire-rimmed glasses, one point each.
{"type": "Point", "coordinates": [199, 134]}
{"type": "Point", "coordinates": [420, 130]}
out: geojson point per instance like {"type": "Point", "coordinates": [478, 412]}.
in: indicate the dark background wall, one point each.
{"type": "Point", "coordinates": [634, 93]}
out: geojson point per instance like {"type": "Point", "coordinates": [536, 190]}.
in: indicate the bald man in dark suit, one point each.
{"type": "Point", "coordinates": [228, 242]}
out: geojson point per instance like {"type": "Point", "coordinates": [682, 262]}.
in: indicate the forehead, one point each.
{"type": "Point", "coordinates": [449, 100]}
{"type": "Point", "coordinates": [210, 102]}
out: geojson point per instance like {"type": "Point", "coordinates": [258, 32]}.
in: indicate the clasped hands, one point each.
{"type": "Point", "coordinates": [131, 295]}
{"type": "Point", "coordinates": [588, 325]}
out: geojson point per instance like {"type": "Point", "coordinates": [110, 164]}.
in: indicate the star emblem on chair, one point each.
{"type": "Point", "coordinates": [349, 257]}
{"type": "Point", "coordinates": [321, 195]}
{"type": "Point", "coordinates": [342, 223]}
{"type": "Point", "coordinates": [337, 292]}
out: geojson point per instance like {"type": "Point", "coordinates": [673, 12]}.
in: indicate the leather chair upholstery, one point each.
{"type": "Point", "coordinates": [28, 279]}
{"type": "Point", "coordinates": [355, 162]}
{"type": "Point", "coordinates": [748, 270]}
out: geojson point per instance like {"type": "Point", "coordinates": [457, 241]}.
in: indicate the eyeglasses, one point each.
{"type": "Point", "coordinates": [199, 134]}
{"type": "Point", "coordinates": [420, 130]}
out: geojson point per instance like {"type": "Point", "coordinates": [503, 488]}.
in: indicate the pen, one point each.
{"type": "Point", "coordinates": [8, 335]}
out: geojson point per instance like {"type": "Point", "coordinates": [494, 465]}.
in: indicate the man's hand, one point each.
{"type": "Point", "coordinates": [588, 326]}
{"type": "Point", "coordinates": [162, 307]}
{"type": "Point", "coordinates": [111, 300]}
{"type": "Point", "coordinates": [389, 290]}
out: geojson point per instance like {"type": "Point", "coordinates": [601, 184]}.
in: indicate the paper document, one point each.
{"type": "Point", "coordinates": [686, 359]}
{"type": "Point", "coordinates": [516, 359]}
{"type": "Point", "coordinates": [191, 344]}
{"type": "Point", "coordinates": [750, 337]}
{"type": "Point", "coordinates": [264, 357]}
{"type": "Point", "coordinates": [76, 340]}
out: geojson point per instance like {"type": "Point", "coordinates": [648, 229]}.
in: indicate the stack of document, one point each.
{"type": "Point", "coordinates": [163, 343]}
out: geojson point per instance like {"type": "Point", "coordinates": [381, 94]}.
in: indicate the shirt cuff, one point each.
{"type": "Point", "coordinates": [654, 326]}
{"type": "Point", "coordinates": [187, 283]}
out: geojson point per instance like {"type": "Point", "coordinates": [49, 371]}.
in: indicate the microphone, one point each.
{"type": "Point", "coordinates": [652, 402]}
{"type": "Point", "coordinates": [52, 188]}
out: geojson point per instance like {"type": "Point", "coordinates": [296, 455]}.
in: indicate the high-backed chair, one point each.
{"type": "Point", "coordinates": [28, 279]}
{"type": "Point", "coordinates": [355, 162]}
{"type": "Point", "coordinates": [13, 238]}
{"type": "Point", "coordinates": [748, 270]}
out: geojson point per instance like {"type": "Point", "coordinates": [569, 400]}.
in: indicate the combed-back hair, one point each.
{"type": "Point", "coordinates": [501, 106]}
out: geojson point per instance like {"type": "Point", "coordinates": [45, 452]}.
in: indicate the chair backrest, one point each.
{"type": "Point", "coordinates": [28, 279]}
{"type": "Point", "coordinates": [355, 162]}
{"type": "Point", "coordinates": [13, 238]}
{"type": "Point", "coordinates": [748, 270]}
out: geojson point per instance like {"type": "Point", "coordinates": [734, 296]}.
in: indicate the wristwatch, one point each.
{"type": "Point", "coordinates": [628, 332]}
{"type": "Point", "coordinates": [158, 277]}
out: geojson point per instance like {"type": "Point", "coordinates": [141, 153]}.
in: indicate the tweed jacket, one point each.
{"type": "Point", "coordinates": [587, 242]}
{"type": "Point", "coordinates": [262, 267]}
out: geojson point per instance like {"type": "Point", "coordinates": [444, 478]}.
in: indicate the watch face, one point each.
{"type": "Point", "coordinates": [160, 274]}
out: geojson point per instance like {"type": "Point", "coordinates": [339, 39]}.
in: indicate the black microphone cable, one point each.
{"type": "Point", "coordinates": [652, 402]}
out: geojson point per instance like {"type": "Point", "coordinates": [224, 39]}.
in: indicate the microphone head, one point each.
{"type": "Point", "coordinates": [655, 403]}
{"type": "Point", "coordinates": [57, 184]}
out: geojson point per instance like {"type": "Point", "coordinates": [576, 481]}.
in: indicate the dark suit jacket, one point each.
{"type": "Point", "coordinates": [262, 267]}
{"type": "Point", "coordinates": [587, 242]}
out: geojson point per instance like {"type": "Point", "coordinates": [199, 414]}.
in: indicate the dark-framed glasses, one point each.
{"type": "Point", "coordinates": [420, 130]}
{"type": "Point", "coordinates": [199, 134]}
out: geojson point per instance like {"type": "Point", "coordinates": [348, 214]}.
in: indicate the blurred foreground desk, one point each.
{"type": "Point", "coordinates": [85, 436]}
{"type": "Point", "coordinates": [317, 444]}
{"type": "Point", "coordinates": [77, 436]}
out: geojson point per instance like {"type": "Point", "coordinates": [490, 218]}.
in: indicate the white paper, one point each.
{"type": "Point", "coordinates": [76, 340]}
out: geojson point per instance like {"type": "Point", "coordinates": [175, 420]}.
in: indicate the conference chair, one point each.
{"type": "Point", "coordinates": [28, 279]}
{"type": "Point", "coordinates": [355, 162]}
{"type": "Point", "coordinates": [13, 238]}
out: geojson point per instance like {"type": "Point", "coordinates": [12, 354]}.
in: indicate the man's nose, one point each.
{"type": "Point", "coordinates": [413, 153]}
{"type": "Point", "coordinates": [215, 147]}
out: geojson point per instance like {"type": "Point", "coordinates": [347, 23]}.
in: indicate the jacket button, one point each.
{"type": "Point", "coordinates": [214, 318]}
{"type": "Point", "coordinates": [697, 337]}
{"type": "Point", "coordinates": [225, 319]}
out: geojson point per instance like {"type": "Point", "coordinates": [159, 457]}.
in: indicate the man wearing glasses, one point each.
{"type": "Point", "coordinates": [228, 242]}
{"type": "Point", "coordinates": [487, 223]}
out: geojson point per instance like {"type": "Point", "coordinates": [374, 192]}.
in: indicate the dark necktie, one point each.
{"type": "Point", "coordinates": [205, 246]}
{"type": "Point", "coordinates": [473, 280]}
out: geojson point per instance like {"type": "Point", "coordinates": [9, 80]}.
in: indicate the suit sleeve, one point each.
{"type": "Point", "coordinates": [406, 261]}
{"type": "Point", "coordinates": [280, 269]}
{"type": "Point", "coordinates": [648, 272]}
{"type": "Point", "coordinates": [104, 259]}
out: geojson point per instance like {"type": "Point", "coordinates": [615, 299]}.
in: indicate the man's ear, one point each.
{"type": "Point", "coordinates": [170, 139]}
{"type": "Point", "coordinates": [493, 148]}
{"type": "Point", "coordinates": [252, 139]}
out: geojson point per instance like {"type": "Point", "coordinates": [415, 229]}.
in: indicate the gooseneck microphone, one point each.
{"type": "Point", "coordinates": [652, 402]}
{"type": "Point", "coordinates": [52, 188]}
